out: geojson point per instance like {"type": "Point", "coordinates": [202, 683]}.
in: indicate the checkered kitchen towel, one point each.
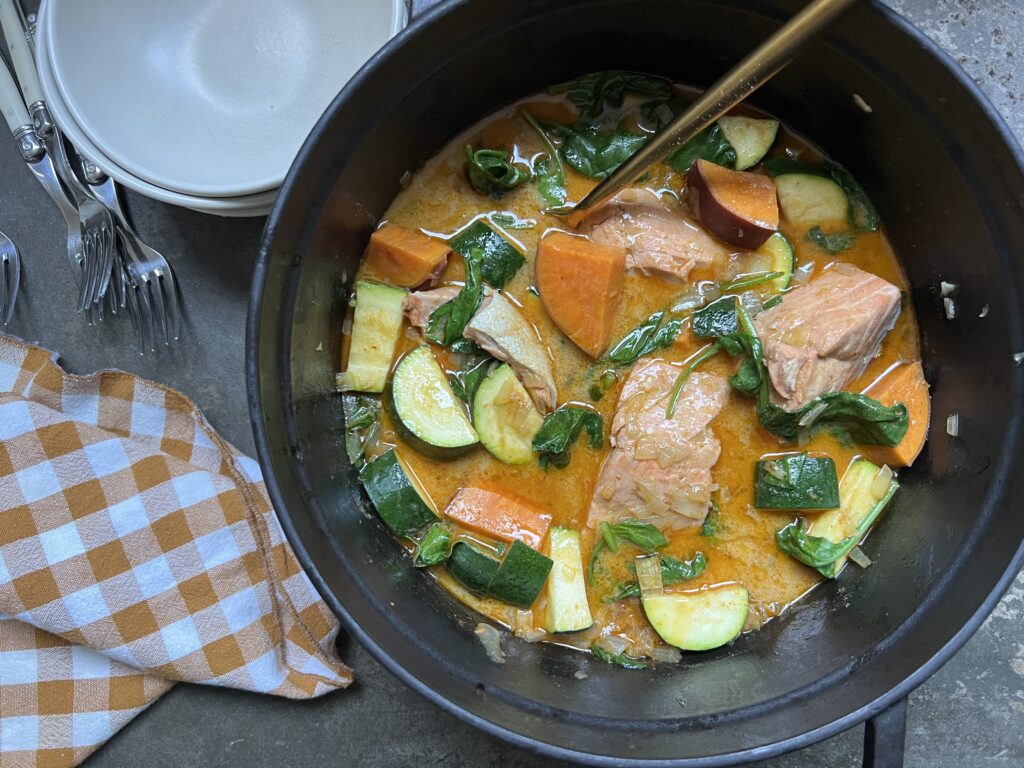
{"type": "Point", "coordinates": [137, 548]}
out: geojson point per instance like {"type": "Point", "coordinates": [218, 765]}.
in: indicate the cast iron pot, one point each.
{"type": "Point", "coordinates": [947, 177]}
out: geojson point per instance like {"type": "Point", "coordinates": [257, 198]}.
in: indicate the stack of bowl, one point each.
{"type": "Point", "coordinates": [202, 103]}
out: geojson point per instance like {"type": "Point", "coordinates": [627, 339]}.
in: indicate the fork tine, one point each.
{"type": "Point", "coordinates": [170, 283]}
{"type": "Point", "coordinates": [107, 265]}
{"type": "Point", "coordinates": [12, 289]}
{"type": "Point", "coordinates": [156, 295]}
{"type": "Point", "coordinates": [88, 268]}
{"type": "Point", "coordinates": [3, 287]}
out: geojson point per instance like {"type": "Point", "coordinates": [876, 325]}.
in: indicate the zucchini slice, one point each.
{"type": "Point", "coordinates": [862, 500]}
{"type": "Point", "coordinates": [698, 620]}
{"type": "Point", "coordinates": [396, 495]}
{"type": "Point", "coordinates": [429, 415]}
{"type": "Point", "coordinates": [375, 330]}
{"type": "Point", "coordinates": [807, 200]}
{"type": "Point", "coordinates": [779, 252]}
{"type": "Point", "coordinates": [505, 417]}
{"type": "Point", "coordinates": [750, 137]}
{"type": "Point", "coordinates": [474, 569]}
{"type": "Point", "coordinates": [521, 576]}
{"type": "Point", "coordinates": [567, 609]}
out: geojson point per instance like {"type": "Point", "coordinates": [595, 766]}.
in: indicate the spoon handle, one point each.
{"type": "Point", "coordinates": [742, 80]}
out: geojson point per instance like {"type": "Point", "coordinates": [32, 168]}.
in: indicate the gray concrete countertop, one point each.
{"type": "Point", "coordinates": [970, 713]}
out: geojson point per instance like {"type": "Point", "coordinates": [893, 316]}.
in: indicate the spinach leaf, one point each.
{"type": "Point", "coordinates": [618, 659]}
{"type": "Point", "coordinates": [710, 144]}
{"type": "Point", "coordinates": [644, 535]}
{"type": "Point", "coordinates": [673, 571]}
{"type": "Point", "coordinates": [863, 214]}
{"type": "Point", "coordinates": [716, 319]}
{"type": "Point", "coordinates": [650, 335]}
{"type": "Point", "coordinates": [815, 551]}
{"type": "Point", "coordinates": [362, 414]}
{"type": "Point", "coordinates": [864, 419]}
{"type": "Point", "coordinates": [491, 171]}
{"type": "Point", "coordinates": [834, 243]}
{"type": "Point", "coordinates": [560, 430]}
{"type": "Point", "coordinates": [596, 154]}
{"type": "Point", "coordinates": [712, 523]}
{"type": "Point", "coordinates": [796, 481]}
{"type": "Point", "coordinates": [465, 382]}
{"type": "Point", "coordinates": [467, 347]}
{"type": "Point", "coordinates": [500, 260]}
{"type": "Point", "coordinates": [591, 93]}
{"type": "Point", "coordinates": [727, 320]}
{"type": "Point", "coordinates": [704, 355]}
{"type": "Point", "coordinates": [548, 172]}
{"type": "Point", "coordinates": [448, 321]}
{"type": "Point", "coordinates": [435, 546]}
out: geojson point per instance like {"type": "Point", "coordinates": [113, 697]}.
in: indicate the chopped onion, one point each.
{"type": "Point", "coordinates": [341, 381]}
{"type": "Point", "coordinates": [687, 300]}
{"type": "Point", "coordinates": [953, 425]}
{"type": "Point", "coordinates": [491, 641]}
{"type": "Point", "coordinates": [579, 674]}
{"type": "Point", "coordinates": [710, 291]}
{"type": "Point", "coordinates": [862, 105]}
{"type": "Point", "coordinates": [857, 555]}
{"type": "Point", "coordinates": [803, 437]}
{"type": "Point", "coordinates": [802, 274]}
{"type": "Point", "coordinates": [648, 573]}
{"type": "Point", "coordinates": [880, 485]}
{"type": "Point", "coordinates": [812, 415]}
{"type": "Point", "coordinates": [346, 325]}
{"type": "Point", "coordinates": [950, 308]}
{"type": "Point", "coordinates": [947, 289]}
{"type": "Point", "coordinates": [724, 494]}
{"type": "Point", "coordinates": [844, 269]}
{"type": "Point", "coordinates": [522, 625]}
{"type": "Point", "coordinates": [751, 302]}
{"type": "Point", "coordinates": [665, 655]}
{"type": "Point", "coordinates": [773, 469]}
{"type": "Point", "coordinates": [984, 311]}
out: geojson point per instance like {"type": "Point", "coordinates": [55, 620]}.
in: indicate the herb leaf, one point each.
{"type": "Point", "coordinates": [712, 523]}
{"type": "Point", "coordinates": [435, 546]}
{"type": "Point", "coordinates": [863, 214]}
{"type": "Point", "coordinates": [834, 243]}
{"type": "Point", "coordinates": [465, 382]}
{"type": "Point", "coordinates": [499, 259]}
{"type": "Point", "coordinates": [647, 337]}
{"type": "Point", "coordinates": [710, 144]}
{"type": "Point", "coordinates": [644, 535]}
{"type": "Point", "coordinates": [596, 154]}
{"type": "Point", "coordinates": [796, 481]}
{"type": "Point", "coordinates": [491, 171]}
{"type": "Point", "coordinates": [362, 414]}
{"type": "Point", "coordinates": [548, 172]}
{"type": "Point", "coordinates": [560, 430]}
{"type": "Point", "coordinates": [815, 551]}
{"type": "Point", "coordinates": [592, 92]}
{"type": "Point", "coordinates": [448, 321]}
{"type": "Point", "coordinates": [866, 420]}
{"type": "Point", "coordinates": [618, 659]}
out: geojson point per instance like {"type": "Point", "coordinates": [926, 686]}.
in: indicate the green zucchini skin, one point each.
{"type": "Point", "coordinates": [521, 576]}
{"type": "Point", "coordinates": [472, 568]}
{"type": "Point", "coordinates": [395, 497]}
{"type": "Point", "coordinates": [417, 385]}
{"type": "Point", "coordinates": [780, 253]}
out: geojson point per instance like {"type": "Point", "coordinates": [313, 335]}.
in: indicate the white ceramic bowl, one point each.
{"type": "Point", "coordinates": [208, 98]}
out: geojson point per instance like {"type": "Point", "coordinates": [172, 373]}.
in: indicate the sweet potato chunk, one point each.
{"type": "Point", "coordinates": [405, 257]}
{"type": "Point", "coordinates": [499, 515]}
{"type": "Point", "coordinates": [905, 385]}
{"type": "Point", "coordinates": [579, 283]}
{"type": "Point", "coordinates": [737, 207]}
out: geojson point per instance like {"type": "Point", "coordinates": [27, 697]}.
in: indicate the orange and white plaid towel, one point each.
{"type": "Point", "coordinates": [137, 548]}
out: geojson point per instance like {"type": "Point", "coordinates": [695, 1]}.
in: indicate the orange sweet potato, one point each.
{"type": "Point", "coordinates": [737, 207]}
{"type": "Point", "coordinates": [499, 515]}
{"type": "Point", "coordinates": [405, 257]}
{"type": "Point", "coordinates": [906, 385]}
{"type": "Point", "coordinates": [579, 284]}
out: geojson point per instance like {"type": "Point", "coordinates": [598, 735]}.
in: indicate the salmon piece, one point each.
{"type": "Point", "coordinates": [659, 469]}
{"type": "Point", "coordinates": [406, 257]}
{"type": "Point", "coordinates": [823, 335]}
{"type": "Point", "coordinates": [906, 385]}
{"type": "Point", "coordinates": [580, 283]}
{"type": "Point", "coordinates": [501, 330]}
{"type": "Point", "coordinates": [499, 515]}
{"type": "Point", "coordinates": [420, 305]}
{"type": "Point", "coordinates": [658, 240]}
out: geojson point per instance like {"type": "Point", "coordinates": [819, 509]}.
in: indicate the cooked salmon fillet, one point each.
{"type": "Point", "coordinates": [659, 469]}
{"type": "Point", "coordinates": [823, 335]}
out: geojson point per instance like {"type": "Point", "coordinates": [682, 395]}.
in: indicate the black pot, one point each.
{"type": "Point", "coordinates": [947, 178]}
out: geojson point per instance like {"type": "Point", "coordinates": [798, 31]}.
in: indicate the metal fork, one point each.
{"type": "Point", "coordinates": [10, 277]}
{"type": "Point", "coordinates": [150, 276]}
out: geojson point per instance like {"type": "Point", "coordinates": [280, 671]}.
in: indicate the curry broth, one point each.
{"type": "Point", "coordinates": [439, 200]}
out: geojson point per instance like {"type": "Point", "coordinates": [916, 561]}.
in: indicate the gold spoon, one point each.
{"type": "Point", "coordinates": [741, 81]}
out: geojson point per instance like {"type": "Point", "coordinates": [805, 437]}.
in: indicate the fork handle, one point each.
{"type": "Point", "coordinates": [21, 52]}
{"type": "Point", "coordinates": [11, 103]}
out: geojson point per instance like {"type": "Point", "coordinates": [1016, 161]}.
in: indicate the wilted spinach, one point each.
{"type": "Point", "coordinates": [618, 659]}
{"type": "Point", "coordinates": [448, 321]}
{"type": "Point", "coordinates": [548, 171]}
{"type": "Point", "coordinates": [499, 259]}
{"type": "Point", "coordinates": [594, 92]}
{"type": "Point", "coordinates": [796, 481]}
{"type": "Point", "coordinates": [560, 430]}
{"type": "Point", "coordinates": [644, 535]}
{"type": "Point", "coordinates": [435, 546]}
{"type": "Point", "coordinates": [815, 551]}
{"type": "Point", "coordinates": [466, 381]}
{"type": "Point", "coordinates": [650, 335]}
{"type": "Point", "coordinates": [362, 415]}
{"type": "Point", "coordinates": [491, 171]}
{"type": "Point", "coordinates": [710, 144]}
{"type": "Point", "coordinates": [865, 420]}
{"type": "Point", "coordinates": [833, 243]}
